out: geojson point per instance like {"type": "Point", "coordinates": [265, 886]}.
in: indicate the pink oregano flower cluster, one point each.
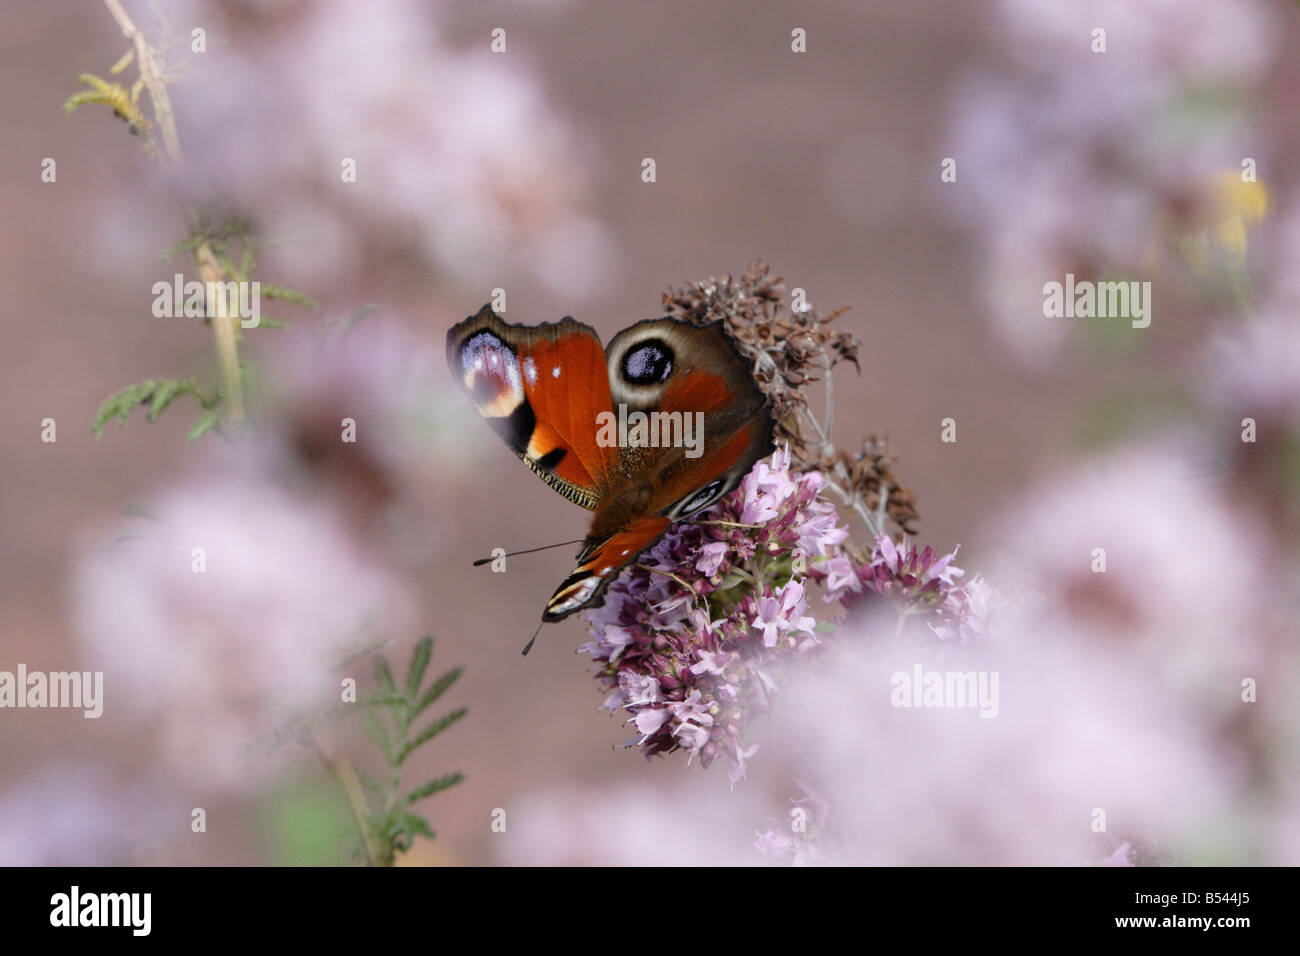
{"type": "Point", "coordinates": [918, 581]}
{"type": "Point", "coordinates": [693, 638]}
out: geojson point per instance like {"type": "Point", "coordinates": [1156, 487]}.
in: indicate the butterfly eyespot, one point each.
{"type": "Point", "coordinates": [647, 363]}
{"type": "Point", "coordinates": [694, 502]}
{"type": "Point", "coordinates": [491, 374]}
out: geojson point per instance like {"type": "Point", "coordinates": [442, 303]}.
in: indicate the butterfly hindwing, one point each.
{"type": "Point", "coordinates": [598, 565]}
{"type": "Point", "coordinates": [670, 368]}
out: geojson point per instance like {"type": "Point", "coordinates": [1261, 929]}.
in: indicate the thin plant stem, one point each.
{"type": "Point", "coordinates": [668, 574]}
{"type": "Point", "coordinates": [224, 331]}
{"type": "Point", "coordinates": [151, 74]}
{"type": "Point", "coordinates": [842, 484]}
{"type": "Point", "coordinates": [345, 774]}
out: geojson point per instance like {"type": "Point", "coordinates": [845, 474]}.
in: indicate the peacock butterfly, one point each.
{"type": "Point", "coordinates": [563, 404]}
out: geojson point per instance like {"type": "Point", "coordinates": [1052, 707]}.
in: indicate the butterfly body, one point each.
{"type": "Point", "coordinates": [563, 404]}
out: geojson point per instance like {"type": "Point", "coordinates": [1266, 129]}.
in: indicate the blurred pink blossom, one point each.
{"type": "Point", "coordinates": [631, 824]}
{"type": "Point", "coordinates": [214, 657]}
{"type": "Point", "coordinates": [1252, 368]}
{"type": "Point", "coordinates": [1076, 731]}
{"type": "Point", "coordinates": [1076, 161]}
{"type": "Point", "coordinates": [66, 814]}
{"type": "Point", "coordinates": [1180, 592]}
{"type": "Point", "coordinates": [459, 154]}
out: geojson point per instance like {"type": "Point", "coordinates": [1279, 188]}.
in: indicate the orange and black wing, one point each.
{"type": "Point", "coordinates": [669, 368]}
{"type": "Point", "coordinates": [540, 388]}
{"type": "Point", "coordinates": [598, 565]}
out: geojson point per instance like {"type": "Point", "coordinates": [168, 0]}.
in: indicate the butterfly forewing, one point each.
{"type": "Point", "coordinates": [540, 388]}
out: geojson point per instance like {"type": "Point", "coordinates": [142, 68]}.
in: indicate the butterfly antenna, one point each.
{"type": "Point", "coordinates": [529, 646]}
{"type": "Point", "coordinates": [511, 554]}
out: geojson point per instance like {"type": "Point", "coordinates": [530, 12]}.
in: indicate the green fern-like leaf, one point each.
{"type": "Point", "coordinates": [413, 824]}
{"type": "Point", "coordinates": [188, 244]}
{"type": "Point", "coordinates": [431, 731]}
{"type": "Point", "coordinates": [272, 291]}
{"type": "Point", "coordinates": [436, 690]}
{"type": "Point", "coordinates": [432, 787]}
{"type": "Point", "coordinates": [247, 259]}
{"type": "Point", "coordinates": [384, 676]}
{"type": "Point", "coordinates": [120, 404]}
{"type": "Point", "coordinates": [387, 716]}
{"type": "Point", "coordinates": [371, 784]}
{"type": "Point", "coordinates": [419, 664]}
{"type": "Point", "coordinates": [166, 392]}
{"type": "Point", "coordinates": [202, 425]}
{"type": "Point", "coordinates": [378, 733]}
{"type": "Point", "coordinates": [384, 700]}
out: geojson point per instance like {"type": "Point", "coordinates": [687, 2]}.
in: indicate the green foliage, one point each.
{"type": "Point", "coordinates": [201, 426]}
{"type": "Point", "coordinates": [157, 393]}
{"type": "Point", "coordinates": [272, 291]}
{"type": "Point", "coordinates": [165, 392]}
{"type": "Point", "coordinates": [219, 236]}
{"type": "Point", "coordinates": [390, 717]}
{"type": "Point", "coordinates": [233, 245]}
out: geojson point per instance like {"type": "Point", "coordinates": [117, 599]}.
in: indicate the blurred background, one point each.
{"type": "Point", "coordinates": [522, 170]}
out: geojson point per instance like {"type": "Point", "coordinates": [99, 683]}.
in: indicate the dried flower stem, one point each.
{"type": "Point", "coordinates": [224, 331]}
{"type": "Point", "coordinates": [790, 350]}
{"type": "Point", "coordinates": [842, 484]}
{"type": "Point", "coordinates": [666, 574]}
{"type": "Point", "coordinates": [224, 325]}
{"type": "Point", "coordinates": [151, 74]}
{"type": "Point", "coordinates": [341, 770]}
